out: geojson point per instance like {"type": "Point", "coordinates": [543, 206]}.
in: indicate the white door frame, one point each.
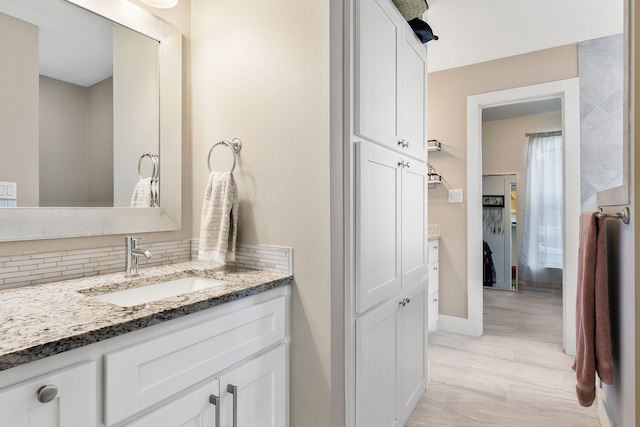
{"type": "Point", "coordinates": [569, 93]}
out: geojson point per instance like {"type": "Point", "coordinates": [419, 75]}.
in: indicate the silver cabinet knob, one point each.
{"type": "Point", "coordinates": [47, 393]}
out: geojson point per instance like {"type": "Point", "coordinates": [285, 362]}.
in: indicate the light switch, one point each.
{"type": "Point", "coordinates": [456, 195]}
{"type": "Point", "coordinates": [8, 190]}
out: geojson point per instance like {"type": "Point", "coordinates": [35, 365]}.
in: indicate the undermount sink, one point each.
{"type": "Point", "coordinates": [158, 291]}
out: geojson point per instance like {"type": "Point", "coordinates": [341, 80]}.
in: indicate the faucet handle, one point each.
{"type": "Point", "coordinates": [132, 240]}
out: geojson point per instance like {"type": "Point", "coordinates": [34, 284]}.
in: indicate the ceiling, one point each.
{"type": "Point", "coordinates": [474, 31]}
{"type": "Point", "coordinates": [522, 109]}
{"type": "Point", "coordinates": [75, 45]}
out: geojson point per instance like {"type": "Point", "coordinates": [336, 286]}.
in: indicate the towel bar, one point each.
{"type": "Point", "coordinates": [235, 145]}
{"type": "Point", "coordinates": [625, 215]}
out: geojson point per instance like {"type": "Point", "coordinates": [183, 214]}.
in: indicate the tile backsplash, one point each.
{"type": "Point", "coordinates": [30, 269]}
{"type": "Point", "coordinates": [277, 259]}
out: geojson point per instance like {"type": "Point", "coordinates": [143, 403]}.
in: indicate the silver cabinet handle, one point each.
{"type": "Point", "coordinates": [435, 300]}
{"type": "Point", "coordinates": [47, 393]}
{"type": "Point", "coordinates": [234, 391]}
{"type": "Point", "coordinates": [215, 401]}
{"type": "Point", "coordinates": [404, 302]}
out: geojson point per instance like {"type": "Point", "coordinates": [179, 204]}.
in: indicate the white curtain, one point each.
{"type": "Point", "coordinates": [541, 250]}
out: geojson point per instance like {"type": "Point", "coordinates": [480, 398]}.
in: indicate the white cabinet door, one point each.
{"type": "Point", "coordinates": [377, 44]}
{"type": "Point", "coordinates": [72, 405]}
{"type": "Point", "coordinates": [412, 110]}
{"type": "Point", "coordinates": [414, 223]}
{"type": "Point", "coordinates": [198, 408]}
{"type": "Point", "coordinates": [376, 375]}
{"type": "Point", "coordinates": [146, 373]}
{"type": "Point", "coordinates": [378, 180]}
{"type": "Point", "coordinates": [412, 366]}
{"type": "Point", "coordinates": [255, 393]}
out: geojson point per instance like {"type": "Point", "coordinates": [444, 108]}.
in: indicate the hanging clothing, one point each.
{"type": "Point", "coordinates": [488, 268]}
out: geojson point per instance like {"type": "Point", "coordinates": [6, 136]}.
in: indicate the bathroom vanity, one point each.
{"type": "Point", "coordinates": [216, 356]}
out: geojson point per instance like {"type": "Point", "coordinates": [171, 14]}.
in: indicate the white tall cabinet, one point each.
{"type": "Point", "coordinates": [387, 301]}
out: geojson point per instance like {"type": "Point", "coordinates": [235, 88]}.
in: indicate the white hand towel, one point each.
{"type": "Point", "coordinates": [218, 224]}
{"type": "Point", "coordinates": [141, 197]}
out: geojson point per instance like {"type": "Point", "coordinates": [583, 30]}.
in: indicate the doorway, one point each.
{"type": "Point", "coordinates": [568, 93]}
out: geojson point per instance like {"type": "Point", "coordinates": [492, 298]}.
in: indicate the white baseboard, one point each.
{"type": "Point", "coordinates": [458, 325]}
{"type": "Point", "coordinates": [603, 415]}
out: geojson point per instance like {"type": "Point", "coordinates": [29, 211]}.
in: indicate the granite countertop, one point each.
{"type": "Point", "coordinates": [433, 231]}
{"type": "Point", "coordinates": [43, 320]}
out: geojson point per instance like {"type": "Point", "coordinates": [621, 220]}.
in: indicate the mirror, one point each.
{"type": "Point", "coordinates": [94, 96]}
{"type": "Point", "coordinates": [150, 66]}
{"type": "Point", "coordinates": [499, 233]}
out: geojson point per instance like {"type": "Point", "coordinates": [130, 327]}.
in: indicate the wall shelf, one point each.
{"type": "Point", "coordinates": [434, 145]}
{"type": "Point", "coordinates": [433, 179]}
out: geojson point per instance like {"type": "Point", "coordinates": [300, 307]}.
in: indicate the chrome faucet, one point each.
{"type": "Point", "coordinates": [132, 253]}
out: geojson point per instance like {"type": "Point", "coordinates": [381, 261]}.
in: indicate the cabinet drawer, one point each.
{"type": "Point", "coordinates": [144, 374]}
{"type": "Point", "coordinates": [433, 251]}
{"type": "Point", "coordinates": [434, 278]}
{"type": "Point", "coordinates": [433, 311]}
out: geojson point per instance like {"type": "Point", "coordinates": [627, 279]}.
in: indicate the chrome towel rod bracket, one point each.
{"type": "Point", "coordinates": [625, 215]}
{"type": "Point", "coordinates": [235, 145]}
{"type": "Point", "coordinates": [154, 159]}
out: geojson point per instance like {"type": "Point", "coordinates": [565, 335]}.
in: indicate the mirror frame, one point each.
{"type": "Point", "coordinates": [52, 223]}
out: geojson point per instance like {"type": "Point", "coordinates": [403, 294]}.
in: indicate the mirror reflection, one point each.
{"type": "Point", "coordinates": [80, 107]}
{"type": "Point", "coordinates": [499, 213]}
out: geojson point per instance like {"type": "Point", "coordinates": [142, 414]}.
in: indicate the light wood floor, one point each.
{"type": "Point", "coordinates": [516, 374]}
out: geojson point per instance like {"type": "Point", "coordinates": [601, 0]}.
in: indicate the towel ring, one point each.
{"type": "Point", "coordinates": [154, 159]}
{"type": "Point", "coordinates": [235, 145]}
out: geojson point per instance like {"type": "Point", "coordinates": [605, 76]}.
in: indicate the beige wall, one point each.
{"type": "Point", "coordinates": [261, 73]}
{"type": "Point", "coordinates": [504, 151]}
{"type": "Point", "coordinates": [19, 118]}
{"type": "Point", "coordinates": [448, 91]}
{"type": "Point", "coordinates": [100, 143]}
{"type": "Point", "coordinates": [63, 149]}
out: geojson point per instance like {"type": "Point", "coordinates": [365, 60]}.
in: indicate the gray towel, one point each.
{"type": "Point", "coordinates": [219, 220]}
